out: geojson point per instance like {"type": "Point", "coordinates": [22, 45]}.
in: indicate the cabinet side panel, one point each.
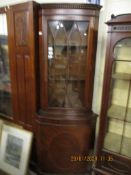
{"type": "Point", "coordinates": [22, 52]}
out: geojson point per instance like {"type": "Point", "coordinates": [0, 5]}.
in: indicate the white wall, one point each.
{"type": "Point", "coordinates": [3, 24]}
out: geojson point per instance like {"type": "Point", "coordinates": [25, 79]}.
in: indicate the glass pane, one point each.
{"type": "Point", "coordinates": [128, 116]}
{"type": "Point", "coordinates": [126, 143]}
{"type": "Point", "coordinates": [67, 51]}
{"type": "Point", "coordinates": [122, 69]}
{"type": "Point", "coordinates": [113, 137]}
{"type": "Point", "coordinates": [75, 37]}
{"type": "Point", "coordinates": [118, 132]}
{"type": "Point", "coordinates": [118, 99]}
{"type": "Point", "coordinates": [83, 32]}
{"type": "Point", "coordinates": [122, 50]}
{"type": "Point", "coordinates": [5, 84]}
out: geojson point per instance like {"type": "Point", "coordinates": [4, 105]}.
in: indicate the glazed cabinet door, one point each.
{"type": "Point", "coordinates": [114, 141]}
{"type": "Point", "coordinates": [67, 68]}
{"type": "Point", "coordinates": [67, 51]}
{"type": "Point", "coordinates": [6, 105]}
{"type": "Point", "coordinates": [118, 135]}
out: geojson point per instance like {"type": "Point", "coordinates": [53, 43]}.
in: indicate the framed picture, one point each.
{"type": "Point", "coordinates": [93, 1]}
{"type": "Point", "coordinates": [15, 150]}
{"type": "Point", "coordinates": [7, 123]}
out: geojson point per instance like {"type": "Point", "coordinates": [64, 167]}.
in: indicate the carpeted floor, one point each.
{"type": "Point", "coordinates": [64, 174]}
{"type": "Point", "coordinates": [32, 173]}
{"type": "Point", "coordinates": [4, 173]}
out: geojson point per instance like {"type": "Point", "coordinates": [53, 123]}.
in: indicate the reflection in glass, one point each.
{"type": "Point", "coordinates": [122, 50]}
{"type": "Point", "coordinates": [114, 135]}
{"type": "Point", "coordinates": [5, 84]}
{"type": "Point", "coordinates": [118, 131]}
{"type": "Point", "coordinates": [67, 50]}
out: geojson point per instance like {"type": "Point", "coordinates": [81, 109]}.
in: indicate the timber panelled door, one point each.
{"type": "Point", "coordinates": [21, 40]}
{"type": "Point", "coordinates": [17, 65]}
{"type": "Point", "coordinates": [114, 142]}
{"type": "Point", "coordinates": [46, 79]}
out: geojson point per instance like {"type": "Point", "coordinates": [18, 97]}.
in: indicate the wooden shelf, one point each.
{"type": "Point", "coordinates": [60, 79]}
{"type": "Point", "coordinates": [118, 112]}
{"type": "Point", "coordinates": [122, 76]}
{"type": "Point", "coordinates": [65, 45]}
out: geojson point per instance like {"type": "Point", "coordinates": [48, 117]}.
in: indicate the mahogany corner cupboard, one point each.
{"type": "Point", "coordinates": [52, 49]}
{"type": "Point", "coordinates": [114, 140]}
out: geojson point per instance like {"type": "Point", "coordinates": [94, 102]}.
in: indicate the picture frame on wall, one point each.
{"type": "Point", "coordinates": [15, 150]}
{"type": "Point", "coordinates": [93, 1]}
